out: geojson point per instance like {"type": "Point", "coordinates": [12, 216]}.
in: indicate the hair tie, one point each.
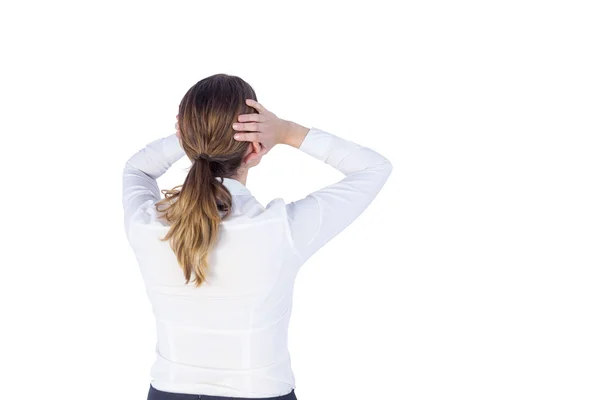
{"type": "Point", "coordinates": [204, 156]}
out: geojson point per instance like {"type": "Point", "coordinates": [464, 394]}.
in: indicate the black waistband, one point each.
{"type": "Point", "coordinates": [155, 394]}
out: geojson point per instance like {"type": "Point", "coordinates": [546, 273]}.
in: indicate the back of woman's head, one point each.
{"type": "Point", "coordinates": [206, 115]}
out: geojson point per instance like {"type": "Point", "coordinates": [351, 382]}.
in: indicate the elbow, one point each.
{"type": "Point", "coordinates": [387, 166]}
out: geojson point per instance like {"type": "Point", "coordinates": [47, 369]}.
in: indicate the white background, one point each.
{"type": "Point", "coordinates": [473, 275]}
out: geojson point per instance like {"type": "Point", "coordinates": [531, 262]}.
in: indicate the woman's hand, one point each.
{"type": "Point", "coordinates": [265, 127]}
{"type": "Point", "coordinates": [178, 133]}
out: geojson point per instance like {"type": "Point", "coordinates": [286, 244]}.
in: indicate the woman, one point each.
{"type": "Point", "coordinates": [219, 267]}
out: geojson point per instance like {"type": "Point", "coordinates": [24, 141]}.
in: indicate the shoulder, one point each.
{"type": "Point", "coordinates": [277, 208]}
{"type": "Point", "coordinates": [147, 214]}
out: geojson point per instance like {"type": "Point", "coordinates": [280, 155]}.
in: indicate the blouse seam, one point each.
{"type": "Point", "coordinates": [288, 233]}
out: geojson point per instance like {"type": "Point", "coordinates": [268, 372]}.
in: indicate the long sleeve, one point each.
{"type": "Point", "coordinates": [318, 217]}
{"type": "Point", "coordinates": [142, 170]}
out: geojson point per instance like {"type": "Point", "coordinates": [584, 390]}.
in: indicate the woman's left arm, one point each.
{"type": "Point", "coordinates": [141, 171]}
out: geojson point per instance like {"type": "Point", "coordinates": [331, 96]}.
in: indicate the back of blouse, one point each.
{"type": "Point", "coordinates": [228, 337]}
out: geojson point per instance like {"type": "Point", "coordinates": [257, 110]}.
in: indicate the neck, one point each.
{"type": "Point", "coordinates": [241, 176]}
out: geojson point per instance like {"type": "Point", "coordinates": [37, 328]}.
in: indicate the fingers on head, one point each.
{"type": "Point", "coordinates": [248, 126]}
{"type": "Point", "coordinates": [255, 104]}
{"type": "Point", "coordinates": [246, 137]}
{"type": "Point", "coordinates": [250, 117]}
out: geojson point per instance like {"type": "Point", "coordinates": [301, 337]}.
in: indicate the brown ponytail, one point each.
{"type": "Point", "coordinates": [206, 114]}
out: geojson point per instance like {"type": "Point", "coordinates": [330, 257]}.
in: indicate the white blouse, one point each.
{"type": "Point", "coordinates": [228, 337]}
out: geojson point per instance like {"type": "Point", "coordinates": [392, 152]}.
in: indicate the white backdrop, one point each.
{"type": "Point", "coordinates": [473, 275]}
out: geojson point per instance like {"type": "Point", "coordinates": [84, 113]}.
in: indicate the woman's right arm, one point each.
{"type": "Point", "coordinates": [322, 214]}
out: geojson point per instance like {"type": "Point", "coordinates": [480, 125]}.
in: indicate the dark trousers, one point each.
{"type": "Point", "coordinates": [155, 394]}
